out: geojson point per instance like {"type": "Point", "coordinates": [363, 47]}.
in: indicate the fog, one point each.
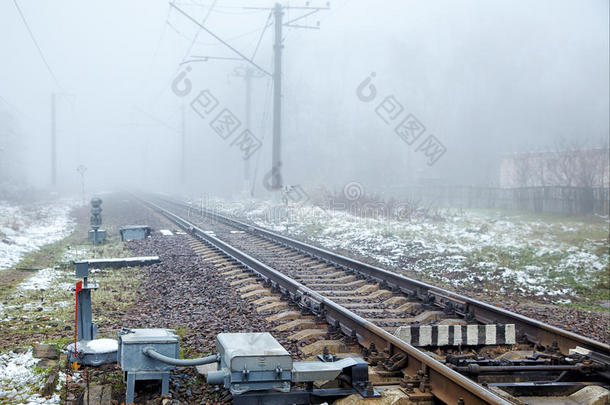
{"type": "Point", "coordinates": [484, 78]}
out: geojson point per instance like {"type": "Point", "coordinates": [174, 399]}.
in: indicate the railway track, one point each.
{"type": "Point", "coordinates": [499, 357]}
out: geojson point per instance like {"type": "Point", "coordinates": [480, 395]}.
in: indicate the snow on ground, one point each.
{"type": "Point", "coordinates": [19, 381]}
{"type": "Point", "coordinates": [24, 228]}
{"type": "Point", "coordinates": [41, 280]}
{"type": "Point", "coordinates": [488, 249]}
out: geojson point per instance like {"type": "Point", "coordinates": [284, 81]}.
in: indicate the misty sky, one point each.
{"type": "Point", "coordinates": [484, 77]}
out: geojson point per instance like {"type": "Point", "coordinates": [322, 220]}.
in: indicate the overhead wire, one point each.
{"type": "Point", "coordinates": [27, 26]}
{"type": "Point", "coordinates": [210, 43]}
{"type": "Point", "coordinates": [194, 39]}
{"type": "Point", "coordinates": [267, 24]}
{"type": "Point", "coordinates": [217, 10]}
{"type": "Point", "coordinates": [199, 31]}
{"type": "Point", "coordinates": [160, 40]}
{"type": "Point", "coordinates": [219, 39]}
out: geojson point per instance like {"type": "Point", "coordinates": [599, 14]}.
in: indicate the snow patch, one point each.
{"type": "Point", "coordinates": [19, 381]}
{"type": "Point", "coordinates": [102, 346]}
{"type": "Point", "coordinates": [472, 248]}
{"type": "Point", "coordinates": [24, 228]}
{"type": "Point", "coordinates": [41, 280]}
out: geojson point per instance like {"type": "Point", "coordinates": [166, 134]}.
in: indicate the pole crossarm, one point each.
{"type": "Point", "coordinates": [289, 23]}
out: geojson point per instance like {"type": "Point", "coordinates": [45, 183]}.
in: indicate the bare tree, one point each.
{"type": "Point", "coordinates": [523, 169]}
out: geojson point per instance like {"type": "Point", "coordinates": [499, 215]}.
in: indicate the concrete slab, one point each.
{"type": "Point", "coordinates": [242, 280]}
{"type": "Point", "coordinates": [266, 300]}
{"type": "Point", "coordinates": [299, 324]}
{"type": "Point", "coordinates": [367, 288]}
{"type": "Point", "coordinates": [123, 261]}
{"type": "Point", "coordinates": [98, 395]}
{"type": "Point", "coordinates": [377, 379]}
{"type": "Point", "coordinates": [592, 395]}
{"type": "Point", "coordinates": [272, 306]}
{"type": "Point", "coordinates": [392, 396]}
{"type": "Point", "coordinates": [249, 287]}
{"type": "Point", "coordinates": [284, 316]}
{"type": "Point", "coordinates": [334, 346]}
{"type": "Point", "coordinates": [308, 334]}
{"type": "Point", "coordinates": [45, 351]}
{"type": "Point", "coordinates": [232, 272]}
{"type": "Point", "coordinates": [260, 291]}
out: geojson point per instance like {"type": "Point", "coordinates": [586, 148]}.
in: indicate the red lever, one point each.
{"type": "Point", "coordinates": [79, 287]}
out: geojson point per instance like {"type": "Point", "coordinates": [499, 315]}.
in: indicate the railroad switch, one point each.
{"type": "Point", "coordinates": [417, 388]}
{"type": "Point", "coordinates": [395, 363]}
{"type": "Point", "coordinates": [257, 369]}
{"type": "Point", "coordinates": [87, 349]}
{"type": "Point", "coordinates": [326, 356]}
{"type": "Point", "coordinates": [352, 339]}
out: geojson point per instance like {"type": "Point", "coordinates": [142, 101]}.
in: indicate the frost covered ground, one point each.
{"type": "Point", "coordinates": [553, 259]}
{"type": "Point", "coordinates": [19, 380]}
{"type": "Point", "coordinates": [24, 228]}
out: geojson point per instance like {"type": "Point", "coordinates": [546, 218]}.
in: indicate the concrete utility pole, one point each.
{"type": "Point", "coordinates": [53, 141]}
{"type": "Point", "coordinates": [81, 169]}
{"type": "Point", "coordinates": [276, 156]}
{"type": "Point", "coordinates": [278, 12]}
{"type": "Point", "coordinates": [183, 146]}
{"type": "Point", "coordinates": [248, 73]}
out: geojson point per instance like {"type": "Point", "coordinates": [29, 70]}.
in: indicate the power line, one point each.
{"type": "Point", "coordinates": [183, 35]}
{"type": "Point", "coordinates": [199, 31]}
{"type": "Point", "coordinates": [36, 44]}
{"type": "Point", "coordinates": [242, 12]}
{"type": "Point", "coordinates": [267, 25]}
{"type": "Point", "coordinates": [159, 41]}
{"type": "Point", "coordinates": [193, 41]}
{"type": "Point", "coordinates": [197, 59]}
{"type": "Point", "coordinates": [220, 39]}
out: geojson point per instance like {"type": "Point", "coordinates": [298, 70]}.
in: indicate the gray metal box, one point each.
{"type": "Point", "coordinates": [131, 345]}
{"type": "Point", "coordinates": [253, 361]}
{"type": "Point", "coordinates": [134, 232]}
{"type": "Point", "coordinates": [81, 269]}
{"type": "Point", "coordinates": [101, 235]}
{"type": "Point", "coordinates": [254, 351]}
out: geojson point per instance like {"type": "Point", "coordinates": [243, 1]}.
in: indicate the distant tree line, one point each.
{"type": "Point", "coordinates": [569, 164]}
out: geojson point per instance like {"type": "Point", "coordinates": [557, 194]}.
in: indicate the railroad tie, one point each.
{"type": "Point", "coordinates": [455, 335]}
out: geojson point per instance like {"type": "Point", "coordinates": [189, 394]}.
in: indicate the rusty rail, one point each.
{"type": "Point", "coordinates": [537, 332]}
{"type": "Point", "coordinates": [446, 384]}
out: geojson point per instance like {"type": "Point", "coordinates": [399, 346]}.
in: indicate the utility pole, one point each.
{"type": "Point", "coordinates": [183, 153]}
{"type": "Point", "coordinates": [248, 78]}
{"type": "Point", "coordinates": [248, 73]}
{"type": "Point", "coordinates": [53, 141]}
{"type": "Point", "coordinates": [278, 12]}
{"type": "Point", "coordinates": [276, 155]}
{"type": "Point", "coordinates": [81, 169]}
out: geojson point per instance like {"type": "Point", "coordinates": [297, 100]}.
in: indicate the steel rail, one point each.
{"type": "Point", "coordinates": [537, 332]}
{"type": "Point", "coordinates": [446, 384]}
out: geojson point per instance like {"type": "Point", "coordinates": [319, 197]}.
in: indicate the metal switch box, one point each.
{"type": "Point", "coordinates": [132, 342]}
{"type": "Point", "coordinates": [253, 361]}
